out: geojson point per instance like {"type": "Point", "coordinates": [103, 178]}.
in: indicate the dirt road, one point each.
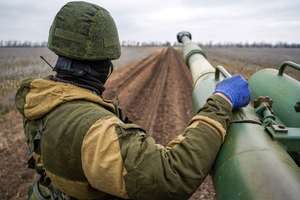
{"type": "Point", "coordinates": [155, 93]}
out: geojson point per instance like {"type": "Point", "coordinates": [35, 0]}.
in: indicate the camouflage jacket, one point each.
{"type": "Point", "coordinates": [87, 151]}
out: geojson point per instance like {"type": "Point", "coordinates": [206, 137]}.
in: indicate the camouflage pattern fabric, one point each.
{"type": "Point", "coordinates": [84, 31]}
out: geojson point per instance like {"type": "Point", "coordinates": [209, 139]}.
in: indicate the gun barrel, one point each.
{"type": "Point", "coordinates": [195, 58]}
{"type": "Point", "coordinates": [203, 73]}
{"type": "Point", "coordinates": [250, 165]}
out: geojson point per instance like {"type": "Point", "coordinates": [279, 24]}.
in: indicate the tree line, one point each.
{"type": "Point", "coordinates": [16, 43]}
{"type": "Point", "coordinates": [134, 43]}
{"type": "Point", "coordinates": [251, 45]}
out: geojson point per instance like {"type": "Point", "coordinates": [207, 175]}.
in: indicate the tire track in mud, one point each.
{"type": "Point", "coordinates": [129, 75]}
{"type": "Point", "coordinates": [156, 95]}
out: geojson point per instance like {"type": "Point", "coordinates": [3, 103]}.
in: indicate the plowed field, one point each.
{"type": "Point", "coordinates": [155, 93]}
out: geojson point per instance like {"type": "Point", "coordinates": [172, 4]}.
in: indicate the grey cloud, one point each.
{"type": "Point", "coordinates": [243, 20]}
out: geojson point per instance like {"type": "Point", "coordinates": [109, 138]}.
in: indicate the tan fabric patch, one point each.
{"type": "Point", "coordinates": [213, 124]}
{"type": "Point", "coordinates": [159, 146]}
{"type": "Point", "coordinates": [79, 190]}
{"type": "Point", "coordinates": [45, 95]}
{"type": "Point", "coordinates": [101, 157]}
{"type": "Point", "coordinates": [38, 159]}
{"type": "Point", "coordinates": [175, 142]}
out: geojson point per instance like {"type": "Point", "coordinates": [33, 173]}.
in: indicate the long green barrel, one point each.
{"type": "Point", "coordinates": [250, 165]}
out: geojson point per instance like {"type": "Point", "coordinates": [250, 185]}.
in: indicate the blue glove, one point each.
{"type": "Point", "coordinates": [236, 89]}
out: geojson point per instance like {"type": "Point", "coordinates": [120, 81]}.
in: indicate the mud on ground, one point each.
{"type": "Point", "coordinates": [155, 93]}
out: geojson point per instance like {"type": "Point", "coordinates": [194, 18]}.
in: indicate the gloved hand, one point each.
{"type": "Point", "coordinates": [236, 89]}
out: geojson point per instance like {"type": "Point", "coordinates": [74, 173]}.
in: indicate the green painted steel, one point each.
{"type": "Point", "coordinates": [289, 137]}
{"type": "Point", "coordinates": [209, 82]}
{"type": "Point", "coordinates": [290, 64]}
{"type": "Point", "coordinates": [282, 89]}
{"type": "Point", "coordinates": [195, 57]}
{"type": "Point", "coordinates": [200, 94]}
{"type": "Point", "coordinates": [250, 164]}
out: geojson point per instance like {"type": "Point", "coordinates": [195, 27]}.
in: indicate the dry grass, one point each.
{"type": "Point", "coordinates": [247, 61]}
{"type": "Point", "coordinates": [19, 63]}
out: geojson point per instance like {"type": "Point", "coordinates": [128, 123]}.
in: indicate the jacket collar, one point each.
{"type": "Point", "coordinates": [44, 95]}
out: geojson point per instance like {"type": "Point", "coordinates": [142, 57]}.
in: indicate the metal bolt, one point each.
{"type": "Point", "coordinates": [263, 99]}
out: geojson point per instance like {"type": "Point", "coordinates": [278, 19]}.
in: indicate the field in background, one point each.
{"type": "Point", "coordinates": [247, 61]}
{"type": "Point", "coordinates": [19, 63]}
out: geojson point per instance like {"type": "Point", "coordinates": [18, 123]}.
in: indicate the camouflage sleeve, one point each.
{"type": "Point", "coordinates": [174, 172]}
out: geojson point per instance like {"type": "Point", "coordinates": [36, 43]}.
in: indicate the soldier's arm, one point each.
{"type": "Point", "coordinates": [121, 160]}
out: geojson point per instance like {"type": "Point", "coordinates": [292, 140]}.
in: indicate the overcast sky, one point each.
{"type": "Point", "coordinates": [158, 20]}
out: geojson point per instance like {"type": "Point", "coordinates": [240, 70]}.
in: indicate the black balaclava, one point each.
{"type": "Point", "coordinates": [91, 75]}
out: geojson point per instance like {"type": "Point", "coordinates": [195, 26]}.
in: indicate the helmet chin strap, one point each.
{"type": "Point", "coordinates": [111, 69]}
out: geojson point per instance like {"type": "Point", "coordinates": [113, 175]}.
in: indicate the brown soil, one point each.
{"type": "Point", "coordinates": [14, 174]}
{"type": "Point", "coordinates": [155, 93]}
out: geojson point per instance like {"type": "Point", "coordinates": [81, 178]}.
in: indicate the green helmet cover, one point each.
{"type": "Point", "coordinates": [84, 31]}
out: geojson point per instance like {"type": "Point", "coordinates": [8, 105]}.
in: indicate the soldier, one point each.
{"type": "Point", "coordinates": [82, 150]}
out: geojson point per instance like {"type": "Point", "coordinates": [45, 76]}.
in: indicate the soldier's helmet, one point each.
{"type": "Point", "coordinates": [84, 31]}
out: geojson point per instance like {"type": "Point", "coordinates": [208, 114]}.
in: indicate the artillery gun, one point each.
{"type": "Point", "coordinates": [260, 156]}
